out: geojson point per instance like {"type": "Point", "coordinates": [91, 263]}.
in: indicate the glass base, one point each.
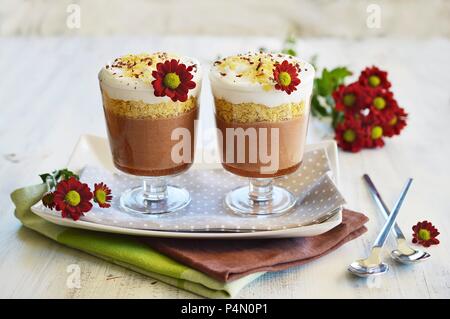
{"type": "Point", "coordinates": [240, 202]}
{"type": "Point", "coordinates": [134, 200]}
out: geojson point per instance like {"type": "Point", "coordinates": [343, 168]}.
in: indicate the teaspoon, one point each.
{"type": "Point", "coordinates": [404, 253]}
{"type": "Point", "coordinates": [373, 264]}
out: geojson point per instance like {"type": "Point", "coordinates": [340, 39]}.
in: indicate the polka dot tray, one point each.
{"type": "Point", "coordinates": [319, 201]}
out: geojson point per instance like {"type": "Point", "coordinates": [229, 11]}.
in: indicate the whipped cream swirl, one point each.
{"type": "Point", "coordinates": [129, 77]}
{"type": "Point", "coordinates": [248, 78]}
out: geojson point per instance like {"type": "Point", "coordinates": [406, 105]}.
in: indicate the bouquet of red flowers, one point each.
{"type": "Point", "coordinates": [363, 113]}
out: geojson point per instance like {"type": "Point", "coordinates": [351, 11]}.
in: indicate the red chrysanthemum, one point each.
{"type": "Point", "coordinates": [48, 200]}
{"type": "Point", "coordinates": [382, 102]}
{"type": "Point", "coordinates": [72, 198]}
{"type": "Point", "coordinates": [374, 78]}
{"type": "Point", "coordinates": [286, 77]}
{"type": "Point", "coordinates": [173, 79]}
{"type": "Point", "coordinates": [425, 234]}
{"type": "Point", "coordinates": [374, 136]}
{"type": "Point", "coordinates": [102, 195]}
{"type": "Point", "coordinates": [351, 98]}
{"type": "Point", "coordinates": [350, 135]}
{"type": "Point", "coordinates": [374, 127]}
{"type": "Point", "coordinates": [395, 121]}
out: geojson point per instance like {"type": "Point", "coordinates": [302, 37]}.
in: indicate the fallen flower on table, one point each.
{"type": "Point", "coordinates": [425, 234]}
{"type": "Point", "coordinates": [72, 197]}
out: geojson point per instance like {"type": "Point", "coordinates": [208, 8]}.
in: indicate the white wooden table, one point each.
{"type": "Point", "coordinates": [49, 96]}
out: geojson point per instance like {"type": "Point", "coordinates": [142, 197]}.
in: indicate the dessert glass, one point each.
{"type": "Point", "coordinates": [151, 135]}
{"type": "Point", "coordinates": [262, 104]}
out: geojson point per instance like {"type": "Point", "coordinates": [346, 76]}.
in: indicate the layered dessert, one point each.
{"type": "Point", "coordinates": [267, 98]}
{"type": "Point", "coordinates": [146, 98]}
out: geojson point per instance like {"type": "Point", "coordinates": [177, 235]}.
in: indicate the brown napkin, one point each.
{"type": "Point", "coordinates": [227, 260]}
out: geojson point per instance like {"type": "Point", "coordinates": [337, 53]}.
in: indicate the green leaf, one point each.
{"type": "Point", "coordinates": [65, 174]}
{"type": "Point", "coordinates": [337, 118]}
{"type": "Point", "coordinates": [325, 83]}
{"type": "Point", "coordinates": [44, 177]}
{"type": "Point", "coordinates": [330, 101]}
{"type": "Point", "coordinates": [317, 108]}
{"type": "Point", "coordinates": [313, 61]}
{"type": "Point", "coordinates": [290, 52]}
{"type": "Point", "coordinates": [57, 176]}
{"type": "Point", "coordinates": [340, 72]}
{"type": "Point", "coordinates": [330, 80]}
{"type": "Point", "coordinates": [289, 45]}
{"type": "Point", "coordinates": [337, 77]}
{"type": "Point", "coordinates": [290, 39]}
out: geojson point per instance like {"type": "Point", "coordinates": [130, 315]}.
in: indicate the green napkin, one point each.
{"type": "Point", "coordinates": [126, 251]}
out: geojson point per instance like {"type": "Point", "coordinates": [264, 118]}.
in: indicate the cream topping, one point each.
{"type": "Point", "coordinates": [249, 78]}
{"type": "Point", "coordinates": [130, 77]}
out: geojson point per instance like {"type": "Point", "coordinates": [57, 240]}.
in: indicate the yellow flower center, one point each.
{"type": "Point", "coordinates": [72, 198]}
{"type": "Point", "coordinates": [171, 80]}
{"type": "Point", "coordinates": [100, 196]}
{"type": "Point", "coordinates": [349, 136]}
{"type": "Point", "coordinates": [284, 78]}
{"type": "Point", "coordinates": [379, 103]}
{"type": "Point", "coordinates": [349, 99]}
{"type": "Point", "coordinates": [393, 121]}
{"type": "Point", "coordinates": [377, 132]}
{"type": "Point", "coordinates": [374, 81]}
{"type": "Point", "coordinates": [424, 234]}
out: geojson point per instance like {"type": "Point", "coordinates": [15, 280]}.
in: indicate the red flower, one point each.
{"type": "Point", "coordinates": [351, 98]}
{"type": "Point", "coordinates": [374, 127]}
{"type": "Point", "coordinates": [286, 77]}
{"type": "Point", "coordinates": [102, 195]}
{"type": "Point", "coordinates": [48, 200]}
{"type": "Point", "coordinates": [350, 135]}
{"type": "Point", "coordinates": [72, 198]}
{"type": "Point", "coordinates": [374, 78]}
{"type": "Point", "coordinates": [425, 234]}
{"type": "Point", "coordinates": [173, 79]}
{"type": "Point", "coordinates": [395, 121]}
{"type": "Point", "coordinates": [382, 102]}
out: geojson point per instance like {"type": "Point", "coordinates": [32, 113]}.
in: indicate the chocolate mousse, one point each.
{"type": "Point", "coordinates": [289, 149]}
{"type": "Point", "coordinates": [141, 118]}
{"type": "Point", "coordinates": [265, 98]}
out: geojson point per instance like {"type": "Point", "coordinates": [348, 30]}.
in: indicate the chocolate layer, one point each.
{"type": "Point", "coordinates": [288, 152]}
{"type": "Point", "coordinates": [143, 146]}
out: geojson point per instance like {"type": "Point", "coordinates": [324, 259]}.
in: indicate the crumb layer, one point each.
{"type": "Point", "coordinates": [142, 110]}
{"type": "Point", "coordinates": [251, 112]}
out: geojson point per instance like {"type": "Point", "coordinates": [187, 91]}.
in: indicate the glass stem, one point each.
{"type": "Point", "coordinates": [155, 188]}
{"type": "Point", "coordinates": [260, 190]}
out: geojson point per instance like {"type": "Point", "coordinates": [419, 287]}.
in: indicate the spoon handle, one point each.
{"type": "Point", "coordinates": [379, 242]}
{"type": "Point", "coordinates": [382, 205]}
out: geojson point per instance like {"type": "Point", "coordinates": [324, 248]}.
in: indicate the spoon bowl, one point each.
{"type": "Point", "coordinates": [359, 269]}
{"type": "Point", "coordinates": [415, 257]}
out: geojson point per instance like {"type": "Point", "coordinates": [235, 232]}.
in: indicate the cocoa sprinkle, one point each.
{"type": "Point", "coordinates": [259, 64]}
